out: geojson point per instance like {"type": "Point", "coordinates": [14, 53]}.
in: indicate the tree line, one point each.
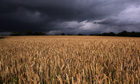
{"type": "Point", "coordinates": [123, 33]}
{"type": "Point", "coordinates": [28, 33]}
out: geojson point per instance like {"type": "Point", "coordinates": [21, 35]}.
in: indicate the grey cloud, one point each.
{"type": "Point", "coordinates": [69, 15]}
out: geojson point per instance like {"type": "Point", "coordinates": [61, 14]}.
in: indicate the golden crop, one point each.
{"type": "Point", "coordinates": [69, 60]}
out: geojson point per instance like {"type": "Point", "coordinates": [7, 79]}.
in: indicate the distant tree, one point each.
{"type": "Point", "coordinates": [80, 34]}
{"type": "Point", "coordinates": [108, 34]}
{"type": "Point", "coordinates": [112, 34]}
{"type": "Point", "coordinates": [138, 34]}
{"type": "Point", "coordinates": [69, 34]}
{"type": "Point", "coordinates": [0, 33]}
{"type": "Point", "coordinates": [91, 34]}
{"type": "Point", "coordinates": [16, 34]}
{"type": "Point", "coordinates": [104, 34]}
{"type": "Point", "coordinates": [95, 34]}
{"type": "Point", "coordinates": [124, 33]}
{"type": "Point", "coordinates": [28, 32]}
{"type": "Point", "coordinates": [133, 34]}
{"type": "Point", "coordinates": [39, 33]}
{"type": "Point", "coordinates": [63, 34]}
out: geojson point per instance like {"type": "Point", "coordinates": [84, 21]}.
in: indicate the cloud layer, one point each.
{"type": "Point", "coordinates": [70, 16]}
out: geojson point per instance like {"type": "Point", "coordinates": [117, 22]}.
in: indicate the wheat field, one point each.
{"type": "Point", "coordinates": [69, 60]}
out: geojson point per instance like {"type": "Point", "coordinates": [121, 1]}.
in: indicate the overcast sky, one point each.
{"type": "Point", "coordinates": [70, 16]}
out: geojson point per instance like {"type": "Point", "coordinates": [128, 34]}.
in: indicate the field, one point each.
{"type": "Point", "coordinates": [69, 60]}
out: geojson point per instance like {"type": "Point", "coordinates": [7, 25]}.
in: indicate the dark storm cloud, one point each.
{"type": "Point", "coordinates": [70, 16]}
